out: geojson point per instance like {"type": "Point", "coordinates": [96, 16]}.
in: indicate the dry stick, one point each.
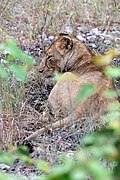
{"type": "Point", "coordinates": [74, 116]}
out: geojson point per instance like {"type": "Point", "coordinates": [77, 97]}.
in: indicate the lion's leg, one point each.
{"type": "Point", "coordinates": [79, 112]}
{"type": "Point", "coordinates": [73, 117]}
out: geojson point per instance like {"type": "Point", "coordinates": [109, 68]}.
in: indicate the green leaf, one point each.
{"type": "Point", "coordinates": [7, 176]}
{"type": "Point", "coordinates": [60, 78]}
{"type": "Point", "coordinates": [15, 50]}
{"type": "Point", "coordinates": [2, 47]}
{"type": "Point", "coordinates": [78, 174]}
{"type": "Point", "coordinates": [86, 91]}
{"type": "Point", "coordinates": [61, 171]}
{"type": "Point", "coordinates": [99, 138]}
{"type": "Point", "coordinates": [57, 77]}
{"type": "Point", "coordinates": [110, 93]}
{"type": "Point", "coordinates": [19, 72]}
{"type": "Point", "coordinates": [113, 72]}
{"type": "Point", "coordinates": [43, 166]}
{"type": "Point", "coordinates": [112, 116]}
{"type": "Point", "coordinates": [23, 154]}
{"type": "Point", "coordinates": [22, 150]}
{"type": "Point", "coordinates": [18, 53]}
{"type": "Point", "coordinates": [115, 106]}
{"type": "Point", "coordinates": [3, 73]}
{"type": "Point", "coordinates": [98, 171]}
{"type": "Point", "coordinates": [116, 126]}
{"type": "Point", "coordinates": [7, 158]}
{"type": "Point", "coordinates": [10, 58]}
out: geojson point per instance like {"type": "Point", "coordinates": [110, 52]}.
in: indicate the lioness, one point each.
{"type": "Point", "coordinates": [69, 56]}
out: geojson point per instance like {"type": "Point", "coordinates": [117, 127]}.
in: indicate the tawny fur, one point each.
{"type": "Point", "coordinates": [69, 56]}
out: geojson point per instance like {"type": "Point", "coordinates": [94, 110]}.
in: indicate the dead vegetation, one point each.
{"type": "Point", "coordinates": [28, 21]}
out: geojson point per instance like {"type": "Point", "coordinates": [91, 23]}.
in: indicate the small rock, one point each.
{"type": "Point", "coordinates": [107, 36]}
{"type": "Point", "coordinates": [69, 29]}
{"type": "Point", "coordinates": [51, 38]}
{"type": "Point", "coordinates": [95, 31]}
{"type": "Point", "coordinates": [91, 38]}
{"type": "Point", "coordinates": [14, 28]}
{"type": "Point", "coordinates": [82, 29]}
{"type": "Point", "coordinates": [4, 167]}
{"type": "Point", "coordinates": [102, 37]}
{"type": "Point", "coordinates": [44, 37]}
{"type": "Point", "coordinates": [81, 38]}
{"type": "Point", "coordinates": [107, 41]}
{"type": "Point", "coordinates": [116, 33]}
{"type": "Point", "coordinates": [6, 52]}
{"type": "Point", "coordinates": [93, 45]}
{"type": "Point", "coordinates": [2, 60]}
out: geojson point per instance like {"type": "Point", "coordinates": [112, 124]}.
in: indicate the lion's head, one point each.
{"type": "Point", "coordinates": [65, 54]}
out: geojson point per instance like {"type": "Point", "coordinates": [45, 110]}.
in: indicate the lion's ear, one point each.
{"type": "Point", "coordinates": [64, 44]}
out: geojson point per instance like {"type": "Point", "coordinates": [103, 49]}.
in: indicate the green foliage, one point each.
{"type": "Point", "coordinates": [43, 166]}
{"type": "Point", "coordinates": [87, 91]}
{"type": "Point", "coordinates": [17, 62]}
{"type": "Point", "coordinates": [3, 73]}
{"type": "Point", "coordinates": [7, 158]}
{"type": "Point", "coordinates": [23, 154]}
{"type": "Point", "coordinates": [11, 177]}
{"type": "Point", "coordinates": [19, 72]}
{"type": "Point", "coordinates": [110, 93]}
{"type": "Point", "coordinates": [113, 72]}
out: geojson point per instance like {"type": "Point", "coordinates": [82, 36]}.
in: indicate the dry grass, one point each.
{"type": "Point", "coordinates": [26, 20]}
{"type": "Point", "coordinates": [11, 92]}
{"type": "Point", "coordinates": [21, 110]}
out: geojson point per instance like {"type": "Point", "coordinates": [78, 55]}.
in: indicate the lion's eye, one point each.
{"type": "Point", "coordinates": [49, 61]}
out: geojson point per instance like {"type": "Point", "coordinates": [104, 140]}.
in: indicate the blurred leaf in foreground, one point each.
{"type": "Point", "coordinates": [19, 72]}
{"type": "Point", "coordinates": [65, 77]}
{"type": "Point", "coordinates": [86, 91]}
{"type": "Point", "coordinates": [113, 72]}
{"type": "Point", "coordinates": [23, 154]}
{"type": "Point", "coordinates": [15, 53]}
{"type": "Point", "coordinates": [103, 60]}
{"type": "Point", "coordinates": [43, 166]}
{"type": "Point", "coordinates": [110, 94]}
{"type": "Point", "coordinates": [7, 158]}
{"type": "Point", "coordinates": [11, 177]}
{"type": "Point", "coordinates": [3, 72]}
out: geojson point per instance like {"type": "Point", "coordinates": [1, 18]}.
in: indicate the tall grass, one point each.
{"type": "Point", "coordinates": [11, 93]}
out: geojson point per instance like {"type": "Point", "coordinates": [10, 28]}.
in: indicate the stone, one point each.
{"type": "Point", "coordinates": [51, 38]}
{"type": "Point", "coordinates": [93, 45]}
{"type": "Point", "coordinates": [107, 41]}
{"type": "Point", "coordinates": [82, 29]}
{"type": "Point", "coordinates": [95, 31]}
{"type": "Point", "coordinates": [116, 33]}
{"type": "Point", "coordinates": [81, 38]}
{"type": "Point", "coordinates": [69, 29]}
{"type": "Point", "coordinates": [44, 37]}
{"type": "Point", "coordinates": [91, 38]}
{"type": "Point", "coordinates": [4, 167]}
